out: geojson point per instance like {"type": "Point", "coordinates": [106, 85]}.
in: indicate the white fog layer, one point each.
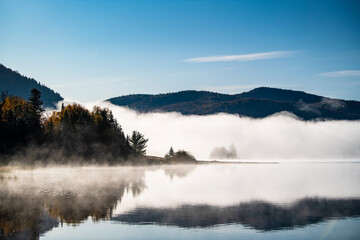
{"type": "Point", "coordinates": [280, 136]}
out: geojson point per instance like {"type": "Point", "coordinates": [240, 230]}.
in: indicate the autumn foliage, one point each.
{"type": "Point", "coordinates": [18, 123]}
{"type": "Point", "coordinates": [78, 131]}
{"type": "Point", "coordinates": [71, 133]}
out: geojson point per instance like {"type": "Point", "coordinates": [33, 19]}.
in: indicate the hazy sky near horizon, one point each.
{"type": "Point", "coordinates": [93, 50]}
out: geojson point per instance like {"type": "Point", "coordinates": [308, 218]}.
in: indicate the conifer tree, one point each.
{"type": "Point", "coordinates": [35, 101]}
{"type": "Point", "coordinates": [138, 142]}
{"type": "Point", "coordinates": [171, 152]}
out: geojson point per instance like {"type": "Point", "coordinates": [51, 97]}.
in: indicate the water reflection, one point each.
{"type": "Point", "coordinates": [258, 215]}
{"type": "Point", "coordinates": [33, 202]}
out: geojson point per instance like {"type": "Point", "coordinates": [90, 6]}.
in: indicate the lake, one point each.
{"type": "Point", "coordinates": [285, 200]}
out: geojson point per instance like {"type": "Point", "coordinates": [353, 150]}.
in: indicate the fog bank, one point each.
{"type": "Point", "coordinates": [280, 136]}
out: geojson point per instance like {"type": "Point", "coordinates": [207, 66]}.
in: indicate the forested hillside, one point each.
{"type": "Point", "coordinates": [16, 84]}
{"type": "Point", "coordinates": [257, 103]}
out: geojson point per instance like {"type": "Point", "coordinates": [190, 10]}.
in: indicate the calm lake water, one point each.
{"type": "Point", "coordinates": [213, 201]}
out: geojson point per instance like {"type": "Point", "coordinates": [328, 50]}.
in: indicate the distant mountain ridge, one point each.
{"type": "Point", "coordinates": [257, 103]}
{"type": "Point", "coordinates": [18, 85]}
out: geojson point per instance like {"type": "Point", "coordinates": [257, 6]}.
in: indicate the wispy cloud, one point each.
{"type": "Point", "coordinates": [354, 73]}
{"type": "Point", "coordinates": [241, 58]}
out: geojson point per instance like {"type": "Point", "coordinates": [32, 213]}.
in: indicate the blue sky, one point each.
{"type": "Point", "coordinates": [94, 50]}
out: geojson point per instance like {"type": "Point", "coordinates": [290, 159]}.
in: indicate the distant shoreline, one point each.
{"type": "Point", "coordinates": [237, 162]}
{"type": "Point", "coordinates": [162, 160]}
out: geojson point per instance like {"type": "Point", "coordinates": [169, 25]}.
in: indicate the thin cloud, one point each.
{"type": "Point", "coordinates": [241, 58]}
{"type": "Point", "coordinates": [355, 73]}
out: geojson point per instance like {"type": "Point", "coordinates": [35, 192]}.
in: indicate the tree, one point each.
{"type": "Point", "coordinates": [16, 123]}
{"type": "Point", "coordinates": [36, 110]}
{"type": "Point", "coordinates": [35, 101]}
{"type": "Point", "coordinates": [170, 154]}
{"type": "Point", "coordinates": [183, 156]}
{"type": "Point", "coordinates": [4, 95]}
{"type": "Point", "coordinates": [180, 156]}
{"type": "Point", "coordinates": [138, 142]}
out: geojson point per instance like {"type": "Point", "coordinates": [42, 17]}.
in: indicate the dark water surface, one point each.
{"type": "Point", "coordinates": [217, 201]}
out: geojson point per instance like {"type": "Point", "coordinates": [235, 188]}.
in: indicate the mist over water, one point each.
{"type": "Point", "coordinates": [280, 136]}
{"type": "Point", "coordinates": [47, 203]}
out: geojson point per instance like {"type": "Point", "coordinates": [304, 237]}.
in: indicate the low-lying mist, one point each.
{"type": "Point", "coordinates": [280, 136]}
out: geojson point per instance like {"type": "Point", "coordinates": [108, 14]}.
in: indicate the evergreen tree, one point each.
{"type": "Point", "coordinates": [4, 95]}
{"type": "Point", "coordinates": [171, 152]}
{"type": "Point", "coordinates": [138, 142]}
{"type": "Point", "coordinates": [35, 101]}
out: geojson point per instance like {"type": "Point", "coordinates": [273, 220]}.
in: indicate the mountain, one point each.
{"type": "Point", "coordinates": [257, 103]}
{"type": "Point", "coordinates": [18, 85]}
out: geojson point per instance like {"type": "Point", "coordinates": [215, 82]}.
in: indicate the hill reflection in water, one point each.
{"type": "Point", "coordinates": [256, 214]}
{"type": "Point", "coordinates": [35, 201]}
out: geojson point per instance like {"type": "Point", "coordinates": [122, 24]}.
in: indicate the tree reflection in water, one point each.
{"type": "Point", "coordinates": [33, 202]}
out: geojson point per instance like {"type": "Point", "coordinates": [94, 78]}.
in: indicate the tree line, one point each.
{"type": "Point", "coordinates": [72, 133]}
